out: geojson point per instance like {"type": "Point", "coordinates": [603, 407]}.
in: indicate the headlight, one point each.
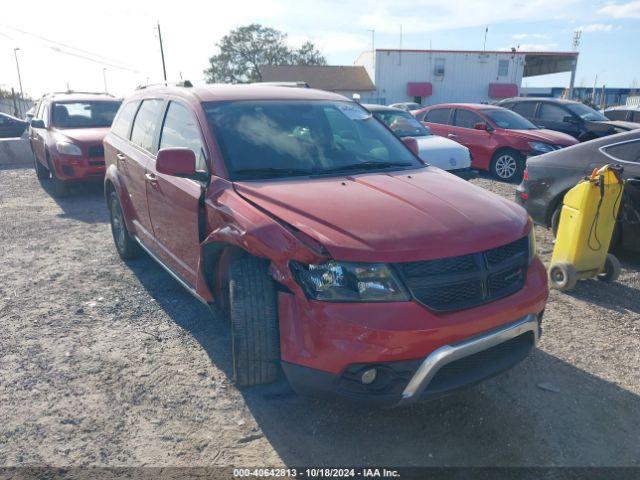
{"type": "Point", "coordinates": [533, 248]}
{"type": "Point", "coordinates": [67, 148]}
{"type": "Point", "coordinates": [541, 147]}
{"type": "Point", "coordinates": [350, 282]}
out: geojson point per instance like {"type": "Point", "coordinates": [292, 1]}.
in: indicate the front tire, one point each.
{"type": "Point", "coordinates": [125, 244]}
{"type": "Point", "coordinates": [253, 312]}
{"type": "Point", "coordinates": [508, 166]}
{"type": "Point", "coordinates": [60, 188]}
{"type": "Point", "coordinates": [42, 172]}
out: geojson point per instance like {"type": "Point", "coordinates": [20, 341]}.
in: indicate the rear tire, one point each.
{"type": "Point", "coordinates": [42, 172]}
{"type": "Point", "coordinates": [555, 220]}
{"type": "Point", "coordinates": [612, 269]}
{"type": "Point", "coordinates": [508, 166]}
{"type": "Point", "coordinates": [126, 246]}
{"type": "Point", "coordinates": [563, 276]}
{"type": "Point", "coordinates": [255, 336]}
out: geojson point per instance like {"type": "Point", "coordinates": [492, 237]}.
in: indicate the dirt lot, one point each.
{"type": "Point", "coordinates": [114, 364]}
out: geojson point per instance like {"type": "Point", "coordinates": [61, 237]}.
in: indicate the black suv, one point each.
{"type": "Point", "coordinates": [574, 118]}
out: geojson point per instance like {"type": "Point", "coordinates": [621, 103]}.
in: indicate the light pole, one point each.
{"type": "Point", "coordinates": [104, 77]}
{"type": "Point", "coordinates": [15, 54]}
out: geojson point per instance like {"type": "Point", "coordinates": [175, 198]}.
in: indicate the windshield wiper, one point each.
{"type": "Point", "coordinates": [368, 165]}
{"type": "Point", "coordinates": [268, 172]}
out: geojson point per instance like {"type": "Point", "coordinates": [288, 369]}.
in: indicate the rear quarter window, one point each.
{"type": "Point", "coordinates": [122, 123]}
{"type": "Point", "coordinates": [616, 114]}
{"type": "Point", "coordinates": [146, 123]}
{"type": "Point", "coordinates": [627, 151]}
{"type": "Point", "coordinates": [526, 109]}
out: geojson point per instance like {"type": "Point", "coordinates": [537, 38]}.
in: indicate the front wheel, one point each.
{"type": "Point", "coordinates": [60, 188]}
{"type": "Point", "coordinates": [508, 166]}
{"type": "Point", "coordinates": [253, 311]}
{"type": "Point", "coordinates": [563, 276]}
{"type": "Point", "coordinates": [42, 172]}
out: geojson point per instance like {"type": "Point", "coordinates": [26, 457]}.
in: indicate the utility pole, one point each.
{"type": "Point", "coordinates": [15, 54]}
{"type": "Point", "coordinates": [104, 78]}
{"type": "Point", "coordinates": [164, 68]}
{"type": "Point", "coordinates": [484, 46]}
{"type": "Point", "coordinates": [574, 63]}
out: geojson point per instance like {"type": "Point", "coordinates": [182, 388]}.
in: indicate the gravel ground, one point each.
{"type": "Point", "coordinates": [104, 363]}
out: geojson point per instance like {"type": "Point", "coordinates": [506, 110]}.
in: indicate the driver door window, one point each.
{"type": "Point", "coordinates": [180, 129]}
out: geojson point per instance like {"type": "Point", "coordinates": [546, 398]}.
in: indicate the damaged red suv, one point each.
{"type": "Point", "coordinates": [338, 256]}
{"type": "Point", "coordinates": [66, 136]}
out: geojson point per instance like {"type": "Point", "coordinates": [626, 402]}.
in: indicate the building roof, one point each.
{"type": "Point", "coordinates": [324, 77]}
{"type": "Point", "coordinates": [536, 63]}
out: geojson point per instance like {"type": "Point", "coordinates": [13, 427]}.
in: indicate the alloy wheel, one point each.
{"type": "Point", "coordinates": [506, 166]}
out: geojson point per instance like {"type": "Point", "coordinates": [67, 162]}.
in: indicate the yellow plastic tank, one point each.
{"type": "Point", "coordinates": [587, 221]}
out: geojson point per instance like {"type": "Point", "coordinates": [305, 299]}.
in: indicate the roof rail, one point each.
{"type": "Point", "coordinates": [73, 92]}
{"type": "Point", "coordinates": [183, 83]}
{"type": "Point", "coordinates": [284, 84]}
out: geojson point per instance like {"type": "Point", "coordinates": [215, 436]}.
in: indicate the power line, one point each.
{"type": "Point", "coordinates": [101, 62]}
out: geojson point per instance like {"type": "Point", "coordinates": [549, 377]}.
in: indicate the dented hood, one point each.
{"type": "Point", "coordinates": [391, 217]}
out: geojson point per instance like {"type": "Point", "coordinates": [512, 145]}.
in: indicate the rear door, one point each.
{"type": "Point", "coordinates": [133, 160]}
{"type": "Point", "coordinates": [174, 203]}
{"type": "Point", "coordinates": [552, 116]}
{"type": "Point", "coordinates": [477, 141]}
{"type": "Point", "coordinates": [438, 120]}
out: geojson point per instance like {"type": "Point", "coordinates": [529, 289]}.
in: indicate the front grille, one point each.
{"type": "Point", "coordinates": [466, 281]}
{"type": "Point", "coordinates": [96, 151]}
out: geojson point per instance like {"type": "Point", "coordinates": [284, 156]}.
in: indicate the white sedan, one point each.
{"type": "Point", "coordinates": [435, 150]}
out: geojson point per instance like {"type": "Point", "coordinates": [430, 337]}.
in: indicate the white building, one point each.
{"type": "Point", "coordinates": [439, 76]}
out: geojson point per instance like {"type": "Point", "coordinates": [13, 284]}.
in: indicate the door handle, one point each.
{"type": "Point", "coordinates": [452, 135]}
{"type": "Point", "coordinates": [121, 157]}
{"type": "Point", "coordinates": [150, 177]}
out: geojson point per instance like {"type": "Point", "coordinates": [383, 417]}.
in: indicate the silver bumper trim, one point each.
{"type": "Point", "coordinates": [450, 353]}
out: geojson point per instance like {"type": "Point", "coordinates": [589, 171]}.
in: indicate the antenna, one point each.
{"type": "Point", "coordinates": [164, 68]}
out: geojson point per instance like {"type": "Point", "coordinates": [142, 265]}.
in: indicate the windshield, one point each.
{"type": "Point", "coordinates": [586, 113]}
{"type": "Point", "coordinates": [270, 139]}
{"type": "Point", "coordinates": [403, 124]}
{"type": "Point", "coordinates": [508, 120]}
{"type": "Point", "coordinates": [84, 114]}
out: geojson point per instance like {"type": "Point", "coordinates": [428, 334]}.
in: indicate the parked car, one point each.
{"type": "Point", "coordinates": [66, 137]}
{"type": "Point", "coordinates": [335, 252]}
{"type": "Point", "coordinates": [406, 106]}
{"type": "Point", "coordinates": [438, 151]}
{"type": "Point", "coordinates": [11, 126]}
{"type": "Point", "coordinates": [624, 113]}
{"type": "Point", "coordinates": [573, 118]}
{"type": "Point", "coordinates": [549, 177]}
{"type": "Point", "coordinates": [499, 140]}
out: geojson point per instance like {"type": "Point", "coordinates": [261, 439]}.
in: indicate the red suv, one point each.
{"type": "Point", "coordinates": [337, 255]}
{"type": "Point", "coordinates": [66, 136]}
{"type": "Point", "coordinates": [500, 140]}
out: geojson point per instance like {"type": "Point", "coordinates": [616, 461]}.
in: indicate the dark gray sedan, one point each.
{"type": "Point", "coordinates": [11, 126]}
{"type": "Point", "coordinates": [548, 177]}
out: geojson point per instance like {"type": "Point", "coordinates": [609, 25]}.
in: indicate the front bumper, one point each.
{"type": "Point", "coordinates": [78, 168]}
{"type": "Point", "coordinates": [449, 368]}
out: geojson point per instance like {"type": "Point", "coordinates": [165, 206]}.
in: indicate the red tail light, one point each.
{"type": "Point", "coordinates": [525, 175]}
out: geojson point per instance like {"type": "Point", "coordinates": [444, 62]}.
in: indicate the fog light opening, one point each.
{"type": "Point", "coordinates": [369, 376]}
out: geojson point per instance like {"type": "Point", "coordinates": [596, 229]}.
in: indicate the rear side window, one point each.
{"type": "Point", "coordinates": [552, 113]}
{"type": "Point", "coordinates": [466, 119]}
{"type": "Point", "coordinates": [616, 114]}
{"type": "Point", "coordinates": [146, 124]}
{"type": "Point", "coordinates": [526, 109]}
{"type": "Point", "coordinates": [438, 115]}
{"type": "Point", "coordinates": [181, 130]}
{"type": "Point", "coordinates": [627, 151]}
{"type": "Point", "coordinates": [122, 123]}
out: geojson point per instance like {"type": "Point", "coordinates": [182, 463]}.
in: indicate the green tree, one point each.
{"type": "Point", "coordinates": [244, 50]}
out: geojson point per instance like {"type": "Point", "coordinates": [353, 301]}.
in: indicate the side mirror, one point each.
{"type": "Point", "coordinates": [37, 124]}
{"type": "Point", "coordinates": [177, 162]}
{"type": "Point", "coordinates": [481, 126]}
{"type": "Point", "coordinates": [412, 144]}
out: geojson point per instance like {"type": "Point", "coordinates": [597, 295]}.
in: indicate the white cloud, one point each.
{"type": "Point", "coordinates": [597, 27]}
{"type": "Point", "coordinates": [524, 36]}
{"type": "Point", "coordinates": [626, 10]}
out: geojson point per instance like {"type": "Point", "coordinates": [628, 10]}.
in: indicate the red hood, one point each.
{"type": "Point", "coordinates": [84, 135]}
{"type": "Point", "coordinates": [392, 217]}
{"type": "Point", "coordinates": [547, 136]}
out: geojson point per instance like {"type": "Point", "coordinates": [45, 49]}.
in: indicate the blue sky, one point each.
{"type": "Point", "coordinates": [82, 44]}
